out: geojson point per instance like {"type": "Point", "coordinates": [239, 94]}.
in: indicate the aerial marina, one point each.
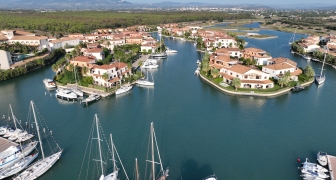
{"type": "Point", "coordinates": [200, 132]}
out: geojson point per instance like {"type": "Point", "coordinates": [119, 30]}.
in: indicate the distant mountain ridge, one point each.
{"type": "Point", "coordinates": [123, 4]}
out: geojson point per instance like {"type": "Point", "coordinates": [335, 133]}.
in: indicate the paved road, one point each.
{"type": "Point", "coordinates": [29, 59]}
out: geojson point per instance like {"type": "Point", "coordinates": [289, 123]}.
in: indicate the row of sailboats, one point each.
{"type": "Point", "coordinates": [17, 158]}
{"type": "Point", "coordinates": [113, 175]}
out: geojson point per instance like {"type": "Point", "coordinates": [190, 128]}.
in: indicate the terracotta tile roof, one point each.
{"type": "Point", "coordinates": [282, 59]}
{"type": "Point", "coordinates": [28, 38]}
{"type": "Point", "coordinates": [3, 38]}
{"type": "Point", "coordinates": [94, 50]}
{"type": "Point", "coordinates": [233, 49]}
{"type": "Point", "coordinates": [63, 39]}
{"type": "Point", "coordinates": [116, 79]}
{"type": "Point", "coordinates": [222, 50]}
{"type": "Point", "coordinates": [279, 66]}
{"type": "Point", "coordinates": [22, 33]}
{"type": "Point", "coordinates": [84, 59]}
{"type": "Point", "coordinates": [257, 50]}
{"type": "Point", "coordinates": [296, 72]}
{"type": "Point", "coordinates": [217, 66]}
{"type": "Point", "coordinates": [93, 45]}
{"type": "Point", "coordinates": [226, 76]}
{"type": "Point", "coordinates": [104, 66]}
{"type": "Point", "coordinates": [239, 69]}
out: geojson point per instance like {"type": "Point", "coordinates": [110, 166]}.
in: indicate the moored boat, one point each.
{"type": "Point", "coordinates": [49, 83]}
{"type": "Point", "coordinates": [91, 98]}
{"type": "Point", "coordinates": [65, 94]}
{"type": "Point", "coordinates": [322, 158]}
{"type": "Point", "coordinates": [297, 88]}
{"type": "Point", "coordinates": [123, 89]}
{"type": "Point", "coordinates": [170, 50]}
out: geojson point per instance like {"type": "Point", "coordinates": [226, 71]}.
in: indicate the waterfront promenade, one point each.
{"type": "Point", "coordinates": [143, 58]}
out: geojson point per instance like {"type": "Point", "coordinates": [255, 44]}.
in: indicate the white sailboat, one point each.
{"type": "Point", "coordinates": [19, 135]}
{"type": "Point", "coordinates": [123, 89]}
{"type": "Point", "coordinates": [145, 82]}
{"type": "Point", "coordinates": [319, 79]}
{"type": "Point", "coordinates": [163, 173]}
{"type": "Point", "coordinates": [76, 89]}
{"type": "Point", "coordinates": [41, 166]}
{"type": "Point", "coordinates": [292, 39]}
{"type": "Point", "coordinates": [114, 174]}
{"type": "Point", "coordinates": [170, 50]}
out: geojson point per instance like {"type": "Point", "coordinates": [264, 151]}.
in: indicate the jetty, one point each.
{"type": "Point", "coordinates": [143, 58]}
{"type": "Point", "coordinates": [89, 91]}
{"type": "Point", "coordinates": [332, 166]}
{"type": "Point", "coordinates": [5, 144]}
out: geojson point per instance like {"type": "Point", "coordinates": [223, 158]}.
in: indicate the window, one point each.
{"type": "Point", "coordinates": [246, 77]}
{"type": "Point", "coordinates": [257, 77]}
{"type": "Point", "coordinates": [265, 77]}
{"type": "Point", "coordinates": [237, 75]}
{"type": "Point", "coordinates": [230, 73]}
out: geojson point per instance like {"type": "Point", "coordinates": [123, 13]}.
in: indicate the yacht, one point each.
{"type": "Point", "coordinates": [9, 132]}
{"type": "Point", "coordinates": [170, 50]}
{"type": "Point", "coordinates": [91, 98]}
{"type": "Point", "coordinates": [319, 79]}
{"type": "Point", "coordinates": [297, 88]}
{"type": "Point", "coordinates": [314, 170]}
{"type": "Point", "coordinates": [24, 136]}
{"type": "Point", "coordinates": [124, 88]}
{"type": "Point", "coordinates": [49, 83]}
{"type": "Point", "coordinates": [159, 54]}
{"type": "Point", "coordinates": [212, 177]}
{"type": "Point", "coordinates": [150, 64]}
{"type": "Point", "coordinates": [65, 94]}
{"type": "Point", "coordinates": [306, 57]}
{"type": "Point", "coordinates": [77, 91]}
{"type": "Point", "coordinates": [3, 130]}
{"type": "Point", "coordinates": [322, 158]}
{"type": "Point", "coordinates": [18, 166]}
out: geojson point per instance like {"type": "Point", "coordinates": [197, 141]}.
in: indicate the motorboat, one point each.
{"type": "Point", "coordinates": [314, 59]}
{"type": "Point", "coordinates": [322, 158]}
{"type": "Point", "coordinates": [24, 137]}
{"type": "Point", "coordinates": [198, 62]}
{"type": "Point", "coordinates": [159, 54]}
{"type": "Point", "coordinates": [3, 130]}
{"type": "Point", "coordinates": [170, 50]}
{"type": "Point", "coordinates": [9, 156]}
{"type": "Point", "coordinates": [310, 177]}
{"type": "Point", "coordinates": [149, 65]}
{"type": "Point", "coordinates": [65, 94]}
{"type": "Point", "coordinates": [212, 177]}
{"type": "Point", "coordinates": [297, 88]}
{"type": "Point", "coordinates": [313, 170]}
{"type": "Point", "coordinates": [306, 57]}
{"type": "Point", "coordinates": [307, 165]}
{"type": "Point", "coordinates": [15, 135]}
{"type": "Point", "coordinates": [91, 98]}
{"type": "Point", "coordinates": [123, 89]}
{"type": "Point", "coordinates": [333, 66]}
{"type": "Point", "coordinates": [49, 83]}
{"type": "Point", "coordinates": [9, 132]}
{"type": "Point", "coordinates": [18, 166]}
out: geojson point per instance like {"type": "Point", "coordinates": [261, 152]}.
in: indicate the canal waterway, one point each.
{"type": "Point", "coordinates": [200, 131]}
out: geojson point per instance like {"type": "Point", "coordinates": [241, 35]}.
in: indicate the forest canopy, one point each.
{"type": "Point", "coordinates": [87, 21]}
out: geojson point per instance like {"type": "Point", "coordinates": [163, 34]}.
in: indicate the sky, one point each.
{"type": "Point", "coordinates": [266, 2]}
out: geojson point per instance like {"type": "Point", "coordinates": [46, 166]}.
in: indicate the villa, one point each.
{"type": "Point", "coordinates": [259, 55]}
{"type": "Point", "coordinates": [83, 61]}
{"type": "Point", "coordinates": [116, 72]}
{"type": "Point", "coordinates": [279, 66]}
{"type": "Point", "coordinates": [250, 78]}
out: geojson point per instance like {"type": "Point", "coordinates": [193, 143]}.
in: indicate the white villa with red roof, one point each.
{"type": "Point", "coordinates": [98, 53]}
{"type": "Point", "coordinates": [116, 72]}
{"type": "Point", "coordinates": [279, 66]}
{"type": "Point", "coordinates": [250, 78]}
{"type": "Point", "coordinates": [259, 55]}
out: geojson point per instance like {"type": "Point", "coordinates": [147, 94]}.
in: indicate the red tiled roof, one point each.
{"type": "Point", "coordinates": [239, 69]}
{"type": "Point", "coordinates": [279, 66]}
{"type": "Point", "coordinates": [84, 59]}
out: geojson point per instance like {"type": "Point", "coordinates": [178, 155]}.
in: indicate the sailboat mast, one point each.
{"type": "Point", "coordinates": [10, 106]}
{"type": "Point", "coordinates": [37, 128]}
{"type": "Point", "coordinates": [100, 154]}
{"type": "Point", "coordinates": [152, 137]}
{"type": "Point", "coordinates": [136, 170]}
{"type": "Point", "coordinates": [114, 164]}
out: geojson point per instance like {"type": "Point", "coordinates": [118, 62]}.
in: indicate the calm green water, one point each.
{"type": "Point", "coordinates": [200, 131]}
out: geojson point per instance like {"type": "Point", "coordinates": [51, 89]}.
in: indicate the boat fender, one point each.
{"type": "Point", "coordinates": [298, 160]}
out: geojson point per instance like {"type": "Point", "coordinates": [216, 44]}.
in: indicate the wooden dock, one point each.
{"type": "Point", "coordinates": [143, 58]}
{"type": "Point", "coordinates": [332, 166]}
{"type": "Point", "coordinates": [88, 91]}
{"type": "Point", "coordinates": [5, 144]}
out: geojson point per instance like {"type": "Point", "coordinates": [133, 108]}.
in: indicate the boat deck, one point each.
{"type": "Point", "coordinates": [332, 166]}
{"type": "Point", "coordinates": [5, 144]}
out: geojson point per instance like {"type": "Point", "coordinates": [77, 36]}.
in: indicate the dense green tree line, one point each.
{"type": "Point", "coordinates": [20, 70]}
{"type": "Point", "coordinates": [86, 21]}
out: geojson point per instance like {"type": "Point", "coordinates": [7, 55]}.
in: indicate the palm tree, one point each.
{"type": "Point", "coordinates": [84, 70]}
{"type": "Point", "coordinates": [214, 72]}
{"type": "Point", "coordinates": [105, 76]}
{"type": "Point", "coordinates": [205, 67]}
{"type": "Point", "coordinates": [286, 78]}
{"type": "Point", "coordinates": [236, 83]}
{"type": "Point", "coordinates": [281, 82]}
{"type": "Point", "coordinates": [70, 67]}
{"type": "Point", "coordinates": [54, 67]}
